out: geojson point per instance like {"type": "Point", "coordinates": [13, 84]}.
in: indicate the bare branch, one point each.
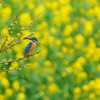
{"type": "Point", "coordinates": [19, 59]}
{"type": "Point", "coordinates": [10, 69]}
{"type": "Point", "coordinates": [10, 31]}
{"type": "Point", "coordinates": [9, 46]}
{"type": "Point", "coordinates": [19, 34]}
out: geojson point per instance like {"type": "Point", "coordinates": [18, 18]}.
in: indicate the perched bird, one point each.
{"type": "Point", "coordinates": [30, 47]}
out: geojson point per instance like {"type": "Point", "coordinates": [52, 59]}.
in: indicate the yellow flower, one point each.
{"type": "Point", "coordinates": [60, 54]}
{"type": "Point", "coordinates": [34, 64]}
{"type": "Point", "coordinates": [88, 28]}
{"type": "Point", "coordinates": [5, 83]}
{"type": "Point", "coordinates": [82, 75]}
{"type": "Point", "coordinates": [97, 86]}
{"type": "Point", "coordinates": [9, 92]}
{"type": "Point", "coordinates": [63, 74]}
{"type": "Point", "coordinates": [48, 70]}
{"type": "Point", "coordinates": [21, 96]}
{"type": "Point", "coordinates": [52, 88]}
{"type": "Point", "coordinates": [48, 63]}
{"type": "Point", "coordinates": [50, 40]}
{"type": "Point", "coordinates": [54, 5]}
{"type": "Point", "coordinates": [43, 41]}
{"type": "Point", "coordinates": [75, 25]}
{"type": "Point", "coordinates": [3, 75]}
{"type": "Point", "coordinates": [10, 38]}
{"type": "Point", "coordinates": [85, 87]}
{"type": "Point", "coordinates": [16, 85]}
{"type": "Point", "coordinates": [42, 27]}
{"type": "Point", "coordinates": [53, 30]}
{"type": "Point", "coordinates": [58, 42]}
{"type": "Point", "coordinates": [17, 49]}
{"type": "Point", "coordinates": [2, 97]}
{"type": "Point", "coordinates": [64, 13]}
{"type": "Point", "coordinates": [77, 67]}
{"type": "Point", "coordinates": [44, 51]}
{"type": "Point", "coordinates": [64, 2]}
{"type": "Point", "coordinates": [24, 19]}
{"type": "Point", "coordinates": [90, 12]}
{"type": "Point", "coordinates": [68, 30]}
{"type": "Point", "coordinates": [77, 92]}
{"type": "Point", "coordinates": [81, 60]}
{"type": "Point", "coordinates": [19, 55]}
{"type": "Point", "coordinates": [25, 34]}
{"type": "Point", "coordinates": [31, 6]}
{"type": "Point", "coordinates": [92, 96]}
{"type": "Point", "coordinates": [50, 79]}
{"type": "Point", "coordinates": [40, 8]}
{"type": "Point", "coordinates": [71, 52]}
{"type": "Point", "coordinates": [96, 10]}
{"type": "Point", "coordinates": [64, 49]}
{"type": "Point", "coordinates": [14, 65]}
{"type": "Point", "coordinates": [56, 20]}
{"type": "Point", "coordinates": [68, 41]}
{"type": "Point", "coordinates": [92, 84]}
{"type": "Point", "coordinates": [0, 5]}
{"type": "Point", "coordinates": [4, 31]}
{"type": "Point", "coordinates": [69, 69]}
{"type": "Point", "coordinates": [79, 38]}
{"type": "Point", "coordinates": [6, 13]}
{"type": "Point", "coordinates": [66, 62]}
{"type": "Point", "coordinates": [92, 2]}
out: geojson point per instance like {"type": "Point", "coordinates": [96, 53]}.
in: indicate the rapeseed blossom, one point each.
{"type": "Point", "coordinates": [52, 88]}
{"type": "Point", "coordinates": [25, 19]}
{"type": "Point", "coordinates": [68, 66]}
{"type": "Point", "coordinates": [16, 85]}
{"type": "Point", "coordinates": [6, 13]}
{"type": "Point", "coordinates": [21, 96]}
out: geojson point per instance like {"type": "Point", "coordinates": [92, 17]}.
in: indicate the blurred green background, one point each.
{"type": "Point", "coordinates": [68, 66]}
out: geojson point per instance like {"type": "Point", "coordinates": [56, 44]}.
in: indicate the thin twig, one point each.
{"type": "Point", "coordinates": [10, 69]}
{"type": "Point", "coordinates": [4, 42]}
{"type": "Point", "coordinates": [15, 43]}
{"type": "Point", "coordinates": [23, 29]}
{"type": "Point", "coordinates": [10, 31]}
{"type": "Point", "coordinates": [15, 60]}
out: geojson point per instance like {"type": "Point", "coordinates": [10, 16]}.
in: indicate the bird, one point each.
{"type": "Point", "coordinates": [30, 47]}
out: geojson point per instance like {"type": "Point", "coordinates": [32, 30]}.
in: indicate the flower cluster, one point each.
{"type": "Point", "coordinates": [68, 66]}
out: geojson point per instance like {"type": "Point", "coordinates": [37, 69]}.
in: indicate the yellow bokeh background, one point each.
{"type": "Point", "coordinates": [68, 66]}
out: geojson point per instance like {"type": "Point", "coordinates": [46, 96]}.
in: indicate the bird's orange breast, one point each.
{"type": "Point", "coordinates": [32, 46]}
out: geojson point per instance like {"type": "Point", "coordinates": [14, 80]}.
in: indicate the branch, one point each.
{"type": "Point", "coordinates": [9, 46]}
{"type": "Point", "coordinates": [4, 42]}
{"type": "Point", "coordinates": [19, 34]}
{"type": "Point", "coordinates": [19, 59]}
{"type": "Point", "coordinates": [10, 31]}
{"type": "Point", "coordinates": [10, 69]}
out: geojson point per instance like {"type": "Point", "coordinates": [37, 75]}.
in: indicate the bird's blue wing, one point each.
{"type": "Point", "coordinates": [27, 48]}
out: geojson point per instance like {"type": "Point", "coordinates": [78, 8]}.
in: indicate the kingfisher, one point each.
{"type": "Point", "coordinates": [31, 46]}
